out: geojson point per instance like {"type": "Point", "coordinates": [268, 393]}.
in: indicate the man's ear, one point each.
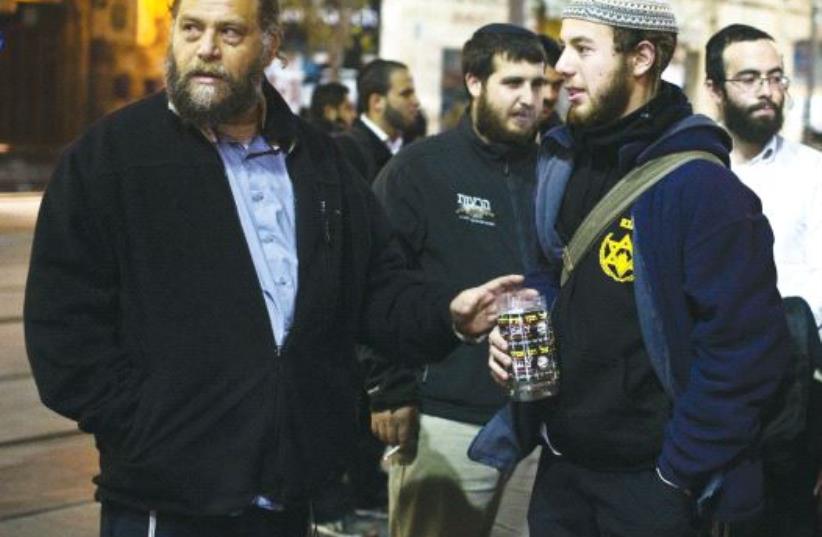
{"type": "Point", "coordinates": [643, 58]}
{"type": "Point", "coordinates": [716, 91]}
{"type": "Point", "coordinates": [272, 47]}
{"type": "Point", "coordinates": [474, 85]}
{"type": "Point", "coordinates": [376, 104]}
{"type": "Point", "coordinates": [330, 113]}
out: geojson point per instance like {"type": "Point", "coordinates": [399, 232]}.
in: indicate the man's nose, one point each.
{"type": "Point", "coordinates": [529, 95]}
{"type": "Point", "coordinates": [563, 66]}
{"type": "Point", "coordinates": [764, 88]}
{"type": "Point", "coordinates": [208, 48]}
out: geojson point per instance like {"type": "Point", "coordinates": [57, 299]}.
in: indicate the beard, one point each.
{"type": "Point", "coordinates": [396, 120]}
{"type": "Point", "coordinates": [215, 104]}
{"type": "Point", "coordinates": [547, 117]}
{"type": "Point", "coordinates": [754, 130]}
{"type": "Point", "coordinates": [609, 105]}
{"type": "Point", "coordinates": [492, 125]}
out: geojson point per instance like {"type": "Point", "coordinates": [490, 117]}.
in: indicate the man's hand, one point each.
{"type": "Point", "coordinates": [498, 360]}
{"type": "Point", "coordinates": [398, 427]}
{"type": "Point", "coordinates": [474, 311]}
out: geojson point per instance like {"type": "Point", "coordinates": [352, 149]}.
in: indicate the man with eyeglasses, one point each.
{"type": "Point", "coordinates": [745, 76]}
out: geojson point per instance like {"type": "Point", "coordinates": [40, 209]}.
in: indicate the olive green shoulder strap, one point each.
{"type": "Point", "coordinates": [618, 199]}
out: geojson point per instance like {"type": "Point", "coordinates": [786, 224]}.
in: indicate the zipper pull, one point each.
{"type": "Point", "coordinates": [326, 225]}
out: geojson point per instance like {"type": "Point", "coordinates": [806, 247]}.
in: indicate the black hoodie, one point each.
{"type": "Point", "coordinates": [612, 409]}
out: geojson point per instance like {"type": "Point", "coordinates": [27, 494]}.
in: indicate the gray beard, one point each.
{"type": "Point", "coordinates": [210, 106]}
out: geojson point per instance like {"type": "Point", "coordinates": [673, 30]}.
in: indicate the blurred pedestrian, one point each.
{"type": "Point", "coordinates": [202, 265]}
{"type": "Point", "coordinates": [388, 106]}
{"type": "Point", "coordinates": [548, 116]}
{"type": "Point", "coordinates": [331, 108]}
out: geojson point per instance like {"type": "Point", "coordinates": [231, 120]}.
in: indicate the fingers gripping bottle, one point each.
{"type": "Point", "coordinates": [525, 324]}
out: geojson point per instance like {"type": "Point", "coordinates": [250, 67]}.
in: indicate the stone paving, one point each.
{"type": "Point", "coordinates": [46, 464]}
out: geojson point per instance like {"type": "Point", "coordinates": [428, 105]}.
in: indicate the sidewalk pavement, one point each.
{"type": "Point", "coordinates": [46, 465]}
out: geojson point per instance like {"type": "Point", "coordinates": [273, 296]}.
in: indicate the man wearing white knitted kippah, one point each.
{"type": "Point", "coordinates": [670, 329]}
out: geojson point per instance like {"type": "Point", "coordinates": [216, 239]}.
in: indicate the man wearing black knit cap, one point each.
{"type": "Point", "coordinates": [462, 204]}
{"type": "Point", "coordinates": [670, 331]}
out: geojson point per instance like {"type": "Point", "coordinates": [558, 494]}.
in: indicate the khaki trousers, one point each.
{"type": "Point", "coordinates": [442, 493]}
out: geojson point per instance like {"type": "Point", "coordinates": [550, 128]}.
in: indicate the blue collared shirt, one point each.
{"type": "Point", "coordinates": [264, 198]}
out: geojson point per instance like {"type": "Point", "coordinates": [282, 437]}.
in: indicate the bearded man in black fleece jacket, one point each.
{"type": "Point", "coordinates": [462, 204]}
{"type": "Point", "coordinates": [203, 263]}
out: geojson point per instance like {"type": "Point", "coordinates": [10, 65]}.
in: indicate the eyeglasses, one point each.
{"type": "Point", "coordinates": [751, 82]}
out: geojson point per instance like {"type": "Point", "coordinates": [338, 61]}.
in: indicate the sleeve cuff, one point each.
{"type": "Point", "coordinates": [468, 339]}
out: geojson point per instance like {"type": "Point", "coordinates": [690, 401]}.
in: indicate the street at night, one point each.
{"type": "Point", "coordinates": [46, 464]}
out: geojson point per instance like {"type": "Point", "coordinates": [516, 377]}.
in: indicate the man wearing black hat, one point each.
{"type": "Point", "coordinates": [462, 205]}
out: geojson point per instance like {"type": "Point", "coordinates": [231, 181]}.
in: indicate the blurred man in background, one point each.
{"type": "Point", "coordinates": [388, 106]}
{"type": "Point", "coordinates": [331, 108]}
{"type": "Point", "coordinates": [548, 116]}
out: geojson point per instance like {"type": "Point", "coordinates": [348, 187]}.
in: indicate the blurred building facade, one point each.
{"type": "Point", "coordinates": [427, 35]}
{"type": "Point", "coordinates": [64, 63]}
{"type": "Point", "coordinates": [788, 21]}
{"type": "Point", "coordinates": [67, 62]}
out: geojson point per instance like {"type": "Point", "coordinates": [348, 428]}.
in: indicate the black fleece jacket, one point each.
{"type": "Point", "coordinates": [464, 212]}
{"type": "Point", "coordinates": [145, 321]}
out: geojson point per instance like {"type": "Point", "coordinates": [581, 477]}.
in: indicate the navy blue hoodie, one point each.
{"type": "Point", "coordinates": [711, 317]}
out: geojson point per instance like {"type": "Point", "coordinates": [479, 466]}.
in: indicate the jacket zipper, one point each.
{"type": "Point", "coordinates": [516, 212]}
{"type": "Point", "coordinates": [326, 225]}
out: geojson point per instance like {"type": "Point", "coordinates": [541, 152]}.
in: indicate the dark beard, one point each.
{"type": "Point", "coordinates": [241, 93]}
{"type": "Point", "coordinates": [492, 127]}
{"type": "Point", "coordinates": [395, 119]}
{"type": "Point", "coordinates": [610, 105]}
{"type": "Point", "coordinates": [753, 130]}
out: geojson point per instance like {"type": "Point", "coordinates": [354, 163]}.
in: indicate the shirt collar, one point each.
{"type": "Point", "coordinates": [277, 122]}
{"type": "Point", "coordinates": [213, 136]}
{"type": "Point", "coordinates": [393, 145]}
{"type": "Point", "coordinates": [768, 153]}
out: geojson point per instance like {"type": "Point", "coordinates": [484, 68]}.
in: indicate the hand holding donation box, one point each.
{"type": "Point", "coordinates": [525, 324]}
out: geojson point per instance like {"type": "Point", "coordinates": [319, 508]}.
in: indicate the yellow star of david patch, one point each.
{"type": "Point", "coordinates": [617, 258]}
